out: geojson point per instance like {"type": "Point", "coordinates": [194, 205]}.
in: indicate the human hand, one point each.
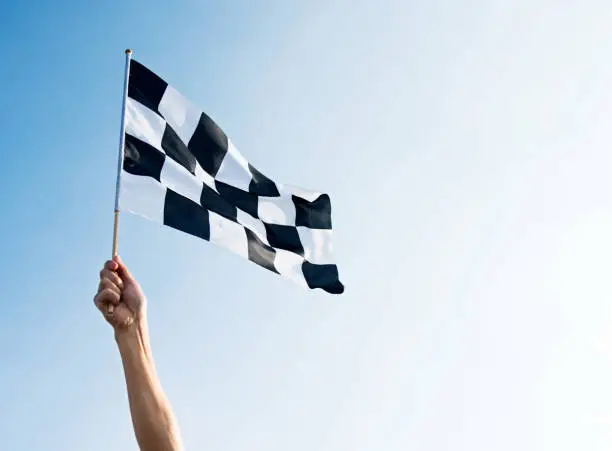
{"type": "Point", "coordinates": [119, 297]}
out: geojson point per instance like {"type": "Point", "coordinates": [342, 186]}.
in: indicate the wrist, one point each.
{"type": "Point", "coordinates": [134, 338]}
{"type": "Point", "coordinates": [129, 332]}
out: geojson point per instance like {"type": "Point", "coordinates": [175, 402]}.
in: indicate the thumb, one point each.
{"type": "Point", "coordinates": [124, 273]}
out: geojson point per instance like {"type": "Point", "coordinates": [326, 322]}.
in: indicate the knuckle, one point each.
{"type": "Point", "coordinates": [108, 284]}
{"type": "Point", "coordinates": [97, 301]}
{"type": "Point", "coordinates": [105, 293]}
{"type": "Point", "coordinates": [106, 296]}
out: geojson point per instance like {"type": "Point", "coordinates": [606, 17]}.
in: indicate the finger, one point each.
{"type": "Point", "coordinates": [105, 309]}
{"type": "Point", "coordinates": [105, 298]}
{"type": "Point", "coordinates": [111, 265]}
{"type": "Point", "coordinates": [106, 284]}
{"type": "Point", "coordinates": [107, 274]}
{"type": "Point", "coordinates": [122, 269]}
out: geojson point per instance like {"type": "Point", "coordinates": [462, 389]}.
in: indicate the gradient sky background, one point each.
{"type": "Point", "coordinates": [466, 147]}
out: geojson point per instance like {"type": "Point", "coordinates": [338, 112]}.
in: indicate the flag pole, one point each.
{"type": "Point", "coordinates": [126, 77]}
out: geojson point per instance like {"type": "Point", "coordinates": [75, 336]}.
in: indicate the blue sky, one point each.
{"type": "Point", "coordinates": [466, 149]}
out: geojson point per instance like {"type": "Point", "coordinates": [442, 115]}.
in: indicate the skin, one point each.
{"type": "Point", "coordinates": [123, 304]}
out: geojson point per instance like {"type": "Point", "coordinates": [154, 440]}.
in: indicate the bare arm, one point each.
{"type": "Point", "coordinates": [154, 422]}
{"type": "Point", "coordinates": [152, 417]}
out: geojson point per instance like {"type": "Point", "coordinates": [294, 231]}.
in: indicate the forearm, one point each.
{"type": "Point", "coordinates": [154, 422]}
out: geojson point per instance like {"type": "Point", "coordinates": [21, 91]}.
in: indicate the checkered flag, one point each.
{"type": "Point", "coordinates": [181, 170]}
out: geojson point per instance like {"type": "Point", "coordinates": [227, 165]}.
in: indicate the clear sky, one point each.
{"type": "Point", "coordinates": [466, 147]}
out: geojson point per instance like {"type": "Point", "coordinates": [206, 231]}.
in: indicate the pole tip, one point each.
{"type": "Point", "coordinates": [128, 51]}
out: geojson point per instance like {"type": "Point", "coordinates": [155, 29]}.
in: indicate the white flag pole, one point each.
{"type": "Point", "coordinates": [128, 57]}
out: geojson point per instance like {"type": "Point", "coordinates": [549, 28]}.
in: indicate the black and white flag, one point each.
{"type": "Point", "coordinates": [181, 170]}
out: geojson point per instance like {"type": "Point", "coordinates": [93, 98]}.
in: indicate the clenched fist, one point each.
{"type": "Point", "coordinates": [119, 297]}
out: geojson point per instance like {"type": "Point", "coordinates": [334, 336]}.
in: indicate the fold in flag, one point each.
{"type": "Point", "coordinates": [181, 170]}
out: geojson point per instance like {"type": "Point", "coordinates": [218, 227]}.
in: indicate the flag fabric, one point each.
{"type": "Point", "coordinates": [181, 170]}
